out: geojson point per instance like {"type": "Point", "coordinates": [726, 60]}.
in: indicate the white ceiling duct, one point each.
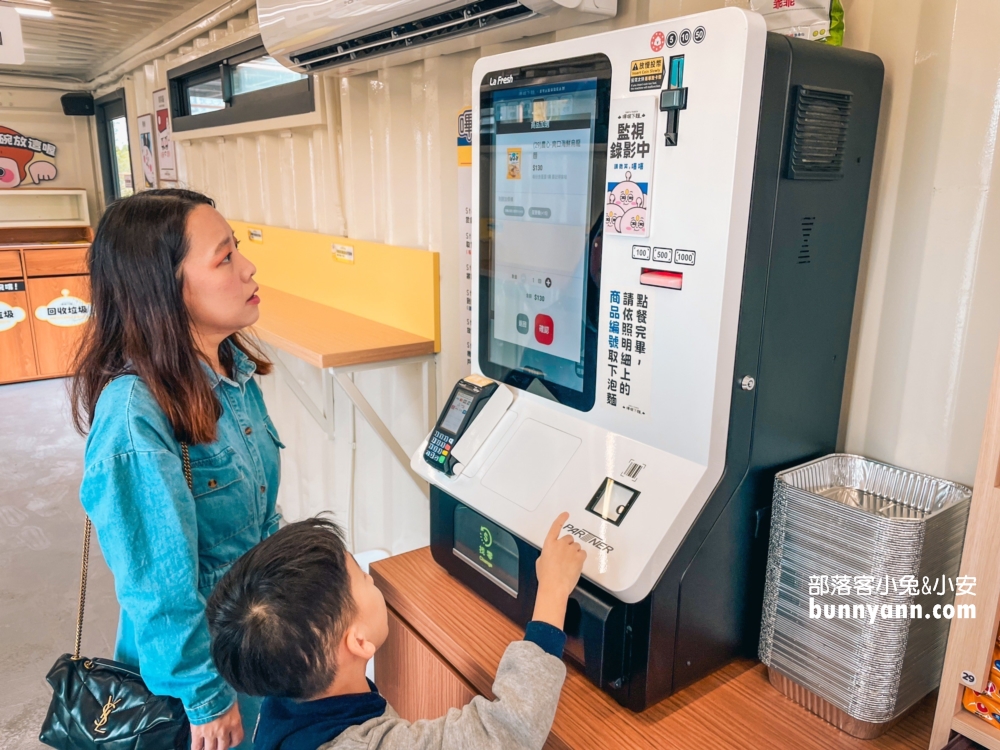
{"type": "Point", "coordinates": [350, 35]}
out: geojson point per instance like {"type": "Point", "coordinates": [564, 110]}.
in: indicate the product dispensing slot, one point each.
{"type": "Point", "coordinates": [673, 99]}
{"type": "Point", "coordinates": [595, 635]}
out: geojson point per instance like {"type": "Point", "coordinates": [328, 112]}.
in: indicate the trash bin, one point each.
{"type": "Point", "coordinates": [860, 554]}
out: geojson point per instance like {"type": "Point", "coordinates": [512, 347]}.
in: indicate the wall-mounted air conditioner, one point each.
{"type": "Point", "coordinates": [350, 35]}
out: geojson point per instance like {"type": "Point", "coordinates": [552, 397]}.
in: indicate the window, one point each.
{"type": "Point", "coordinates": [113, 146]}
{"type": "Point", "coordinates": [237, 84]}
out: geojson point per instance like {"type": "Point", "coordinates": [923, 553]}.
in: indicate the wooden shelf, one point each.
{"type": "Point", "coordinates": [971, 641]}
{"type": "Point", "coordinates": [971, 726]}
{"type": "Point", "coordinates": [43, 207]}
{"type": "Point", "coordinates": [324, 336]}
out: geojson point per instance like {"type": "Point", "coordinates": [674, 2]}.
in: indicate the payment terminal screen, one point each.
{"type": "Point", "coordinates": [543, 139]}
{"type": "Point", "coordinates": [456, 412]}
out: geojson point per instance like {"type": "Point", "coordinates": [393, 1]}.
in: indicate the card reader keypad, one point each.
{"type": "Point", "coordinates": [439, 448]}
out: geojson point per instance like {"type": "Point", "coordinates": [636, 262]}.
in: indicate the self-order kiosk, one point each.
{"type": "Point", "coordinates": [670, 220]}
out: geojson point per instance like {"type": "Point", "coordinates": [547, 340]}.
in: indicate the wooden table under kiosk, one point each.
{"type": "Point", "coordinates": [445, 644]}
{"type": "Point", "coordinates": [345, 306]}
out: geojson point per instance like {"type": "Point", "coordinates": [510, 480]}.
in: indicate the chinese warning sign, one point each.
{"type": "Point", "coordinates": [646, 75]}
{"type": "Point", "coordinates": [630, 166]}
{"type": "Point", "coordinates": [627, 377]}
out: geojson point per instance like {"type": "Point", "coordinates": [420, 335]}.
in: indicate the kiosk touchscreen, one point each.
{"type": "Point", "coordinates": [669, 228]}
{"type": "Point", "coordinates": [543, 147]}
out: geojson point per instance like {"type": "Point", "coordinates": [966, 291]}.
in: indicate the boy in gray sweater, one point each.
{"type": "Point", "coordinates": [296, 620]}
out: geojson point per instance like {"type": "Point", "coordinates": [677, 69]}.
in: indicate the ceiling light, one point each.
{"type": "Point", "coordinates": [33, 12]}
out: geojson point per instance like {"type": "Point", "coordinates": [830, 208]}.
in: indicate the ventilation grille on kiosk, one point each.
{"type": "Point", "coordinates": [819, 133]}
{"type": "Point", "coordinates": [805, 249]}
{"type": "Point", "coordinates": [466, 19]}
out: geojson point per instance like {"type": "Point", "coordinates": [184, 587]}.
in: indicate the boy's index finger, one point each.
{"type": "Point", "coordinates": [556, 527]}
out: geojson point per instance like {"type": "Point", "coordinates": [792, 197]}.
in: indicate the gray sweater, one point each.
{"type": "Point", "coordinates": [527, 690]}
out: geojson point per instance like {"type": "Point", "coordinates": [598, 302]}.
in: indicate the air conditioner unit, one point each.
{"type": "Point", "coordinates": [349, 35]}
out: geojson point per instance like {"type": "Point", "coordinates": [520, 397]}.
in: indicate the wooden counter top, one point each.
{"type": "Point", "coordinates": [734, 708]}
{"type": "Point", "coordinates": [324, 336]}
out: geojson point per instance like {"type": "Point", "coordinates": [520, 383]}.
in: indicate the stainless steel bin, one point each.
{"type": "Point", "coordinates": [838, 524]}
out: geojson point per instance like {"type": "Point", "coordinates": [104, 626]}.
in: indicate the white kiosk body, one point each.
{"type": "Point", "coordinates": [669, 231]}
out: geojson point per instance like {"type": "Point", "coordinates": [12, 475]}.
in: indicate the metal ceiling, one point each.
{"type": "Point", "coordinates": [82, 34]}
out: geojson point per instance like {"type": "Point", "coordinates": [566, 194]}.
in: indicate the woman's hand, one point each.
{"type": "Point", "coordinates": [221, 734]}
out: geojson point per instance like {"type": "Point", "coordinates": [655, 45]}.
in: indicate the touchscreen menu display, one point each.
{"type": "Point", "coordinates": [541, 142]}
{"type": "Point", "coordinates": [544, 141]}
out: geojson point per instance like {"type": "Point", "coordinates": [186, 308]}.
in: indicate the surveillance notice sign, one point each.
{"type": "Point", "coordinates": [631, 134]}
{"type": "Point", "coordinates": [626, 370]}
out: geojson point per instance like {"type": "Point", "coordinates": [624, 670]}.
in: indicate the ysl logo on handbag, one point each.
{"type": "Point", "coordinates": [110, 706]}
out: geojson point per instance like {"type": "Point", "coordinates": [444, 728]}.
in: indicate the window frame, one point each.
{"type": "Point", "coordinates": [292, 98]}
{"type": "Point", "coordinates": [107, 108]}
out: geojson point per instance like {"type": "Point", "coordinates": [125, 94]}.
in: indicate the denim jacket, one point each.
{"type": "Point", "coordinates": [166, 546]}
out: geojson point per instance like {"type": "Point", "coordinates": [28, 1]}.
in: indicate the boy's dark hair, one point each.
{"type": "Point", "coordinates": [277, 614]}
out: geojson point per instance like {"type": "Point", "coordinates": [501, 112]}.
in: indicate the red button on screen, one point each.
{"type": "Point", "coordinates": [544, 329]}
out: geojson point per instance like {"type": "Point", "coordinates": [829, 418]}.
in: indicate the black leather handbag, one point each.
{"type": "Point", "coordinates": [101, 704]}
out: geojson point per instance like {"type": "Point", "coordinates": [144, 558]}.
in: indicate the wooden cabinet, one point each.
{"type": "Point", "coordinates": [60, 305]}
{"type": "Point", "coordinates": [44, 304]}
{"type": "Point", "coordinates": [17, 350]}
{"type": "Point", "coordinates": [17, 354]}
{"type": "Point", "coordinates": [406, 653]}
{"type": "Point", "coordinates": [10, 265]}
{"type": "Point", "coordinates": [44, 288]}
{"type": "Point", "coordinates": [56, 261]}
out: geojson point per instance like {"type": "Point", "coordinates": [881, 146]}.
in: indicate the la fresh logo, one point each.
{"type": "Point", "coordinates": [64, 311]}
{"type": "Point", "coordinates": [657, 41]}
{"type": "Point", "coordinates": [10, 316]}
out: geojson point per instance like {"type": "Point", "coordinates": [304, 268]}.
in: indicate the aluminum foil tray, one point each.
{"type": "Point", "coordinates": [845, 515]}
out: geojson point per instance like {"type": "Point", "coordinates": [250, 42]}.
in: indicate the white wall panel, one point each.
{"type": "Point", "coordinates": [37, 113]}
{"type": "Point", "coordinates": [929, 308]}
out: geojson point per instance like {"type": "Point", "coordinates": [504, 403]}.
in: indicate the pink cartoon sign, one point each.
{"type": "Point", "coordinates": [25, 160]}
{"type": "Point", "coordinates": [631, 137]}
{"type": "Point", "coordinates": [625, 212]}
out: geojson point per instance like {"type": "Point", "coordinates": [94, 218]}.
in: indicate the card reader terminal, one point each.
{"type": "Point", "coordinates": [467, 400]}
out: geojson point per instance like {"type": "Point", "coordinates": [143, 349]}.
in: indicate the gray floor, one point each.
{"type": "Point", "coordinates": [41, 527]}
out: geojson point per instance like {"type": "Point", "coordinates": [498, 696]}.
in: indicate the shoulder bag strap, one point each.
{"type": "Point", "coordinates": [186, 460]}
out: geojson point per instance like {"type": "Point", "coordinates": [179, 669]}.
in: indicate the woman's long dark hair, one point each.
{"type": "Point", "coordinates": [139, 323]}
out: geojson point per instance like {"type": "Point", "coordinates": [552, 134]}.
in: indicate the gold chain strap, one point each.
{"type": "Point", "coordinates": [186, 460]}
{"type": "Point", "coordinates": [83, 588]}
{"type": "Point", "coordinates": [84, 566]}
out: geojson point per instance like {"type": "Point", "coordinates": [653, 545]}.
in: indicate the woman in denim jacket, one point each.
{"type": "Point", "coordinates": [164, 363]}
